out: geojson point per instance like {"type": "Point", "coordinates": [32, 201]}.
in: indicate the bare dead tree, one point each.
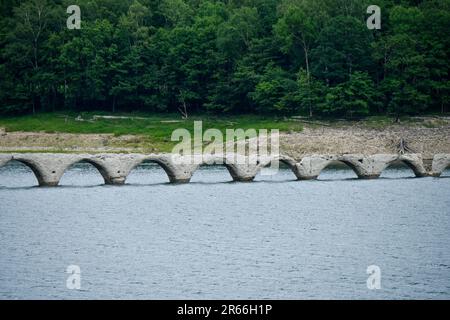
{"type": "Point", "coordinates": [34, 18]}
{"type": "Point", "coordinates": [402, 147]}
{"type": "Point", "coordinates": [183, 108]}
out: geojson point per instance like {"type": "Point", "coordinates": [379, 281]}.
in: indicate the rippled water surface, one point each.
{"type": "Point", "coordinates": [274, 238]}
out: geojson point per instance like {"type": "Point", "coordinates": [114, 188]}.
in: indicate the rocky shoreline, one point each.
{"type": "Point", "coordinates": [356, 140]}
{"type": "Point", "coordinates": [312, 140]}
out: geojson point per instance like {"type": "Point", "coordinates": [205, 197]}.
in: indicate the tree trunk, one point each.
{"type": "Point", "coordinates": [34, 105]}
{"type": "Point", "coordinates": [308, 76]}
{"type": "Point", "coordinates": [183, 111]}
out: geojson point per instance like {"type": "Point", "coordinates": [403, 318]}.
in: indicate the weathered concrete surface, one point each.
{"type": "Point", "coordinates": [4, 159]}
{"type": "Point", "coordinates": [310, 167]}
{"type": "Point", "coordinates": [48, 168]}
{"type": "Point", "coordinates": [241, 168]}
{"type": "Point", "coordinates": [115, 168]}
{"type": "Point", "coordinates": [368, 167]}
{"type": "Point", "coordinates": [415, 162]}
{"type": "Point", "coordinates": [270, 161]}
{"type": "Point", "coordinates": [365, 167]}
{"type": "Point", "coordinates": [440, 163]}
{"type": "Point", "coordinates": [243, 173]}
{"type": "Point", "coordinates": [179, 169]}
{"type": "Point", "coordinates": [244, 168]}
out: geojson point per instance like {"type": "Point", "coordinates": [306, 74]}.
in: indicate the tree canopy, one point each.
{"type": "Point", "coordinates": [303, 57]}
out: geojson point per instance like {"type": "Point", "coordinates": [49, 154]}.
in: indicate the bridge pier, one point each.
{"type": "Point", "coordinates": [114, 168]}
{"type": "Point", "coordinates": [243, 172]}
{"type": "Point", "coordinates": [415, 162]}
{"type": "Point", "coordinates": [365, 167]}
{"type": "Point", "coordinates": [241, 168]}
{"type": "Point", "coordinates": [440, 163]}
{"type": "Point", "coordinates": [47, 168]}
{"type": "Point", "coordinates": [368, 167]}
{"type": "Point", "coordinates": [179, 169]}
{"type": "Point", "coordinates": [310, 168]}
{"type": "Point", "coordinates": [4, 159]}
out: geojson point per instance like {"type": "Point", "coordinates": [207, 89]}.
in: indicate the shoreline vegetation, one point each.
{"type": "Point", "coordinates": [94, 132]}
{"type": "Point", "coordinates": [136, 70]}
{"type": "Point", "coordinates": [316, 58]}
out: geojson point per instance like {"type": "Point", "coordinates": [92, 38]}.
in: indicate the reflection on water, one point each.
{"type": "Point", "coordinates": [274, 238]}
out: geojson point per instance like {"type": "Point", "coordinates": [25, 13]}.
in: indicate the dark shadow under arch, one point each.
{"type": "Point", "coordinates": [446, 172]}
{"type": "Point", "coordinates": [168, 172]}
{"type": "Point", "coordinates": [36, 173]}
{"type": "Point", "coordinates": [339, 165]}
{"type": "Point", "coordinates": [413, 167]}
{"type": "Point", "coordinates": [205, 167]}
{"type": "Point", "coordinates": [400, 165]}
{"type": "Point", "coordinates": [282, 163]}
{"type": "Point", "coordinates": [98, 168]}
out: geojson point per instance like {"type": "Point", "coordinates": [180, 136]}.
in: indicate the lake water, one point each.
{"type": "Point", "coordinates": [274, 238]}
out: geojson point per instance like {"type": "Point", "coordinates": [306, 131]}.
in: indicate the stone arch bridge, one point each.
{"type": "Point", "coordinates": [49, 168]}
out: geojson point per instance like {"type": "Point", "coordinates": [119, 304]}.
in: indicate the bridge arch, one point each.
{"type": "Point", "coordinates": [443, 171]}
{"type": "Point", "coordinates": [169, 171]}
{"type": "Point", "coordinates": [413, 166]}
{"type": "Point", "coordinates": [100, 168]}
{"type": "Point", "coordinates": [38, 174]}
{"type": "Point", "coordinates": [446, 171]}
{"type": "Point", "coordinates": [441, 162]}
{"type": "Point", "coordinates": [287, 161]}
{"type": "Point", "coordinates": [416, 170]}
{"type": "Point", "coordinates": [234, 174]}
{"type": "Point", "coordinates": [347, 164]}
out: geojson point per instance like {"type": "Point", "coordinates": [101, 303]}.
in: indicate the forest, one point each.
{"type": "Point", "coordinates": [314, 58]}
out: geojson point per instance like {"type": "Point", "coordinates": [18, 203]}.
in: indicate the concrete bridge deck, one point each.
{"type": "Point", "coordinates": [49, 168]}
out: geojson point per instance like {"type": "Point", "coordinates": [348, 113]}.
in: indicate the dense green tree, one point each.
{"type": "Point", "coordinates": [273, 91]}
{"type": "Point", "coordinates": [309, 57]}
{"type": "Point", "coordinates": [352, 98]}
{"type": "Point", "coordinates": [343, 47]}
